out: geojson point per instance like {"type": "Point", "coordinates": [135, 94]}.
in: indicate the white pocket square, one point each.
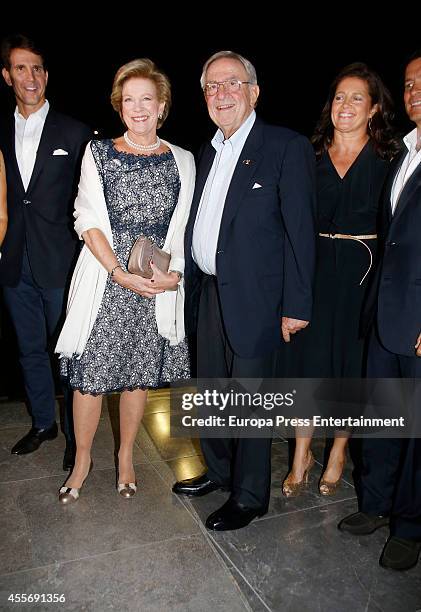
{"type": "Point", "coordinates": [257, 186]}
{"type": "Point", "coordinates": [60, 152]}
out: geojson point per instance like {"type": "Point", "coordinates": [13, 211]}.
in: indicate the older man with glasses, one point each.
{"type": "Point", "coordinates": [249, 248]}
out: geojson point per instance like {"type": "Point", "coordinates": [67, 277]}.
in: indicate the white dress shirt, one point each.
{"type": "Point", "coordinates": [409, 164]}
{"type": "Point", "coordinates": [212, 202]}
{"type": "Point", "coordinates": [27, 137]}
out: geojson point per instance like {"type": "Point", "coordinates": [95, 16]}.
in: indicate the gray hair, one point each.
{"type": "Point", "coordinates": [248, 66]}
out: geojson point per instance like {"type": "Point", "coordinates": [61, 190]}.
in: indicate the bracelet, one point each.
{"type": "Point", "coordinates": [113, 270]}
{"type": "Point", "coordinates": [179, 274]}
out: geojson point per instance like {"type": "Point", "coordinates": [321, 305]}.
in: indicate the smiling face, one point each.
{"type": "Point", "coordinates": [28, 79]}
{"type": "Point", "coordinates": [227, 109]}
{"type": "Point", "coordinates": [412, 92]}
{"type": "Point", "coordinates": [140, 108]}
{"type": "Point", "coordinates": [352, 106]}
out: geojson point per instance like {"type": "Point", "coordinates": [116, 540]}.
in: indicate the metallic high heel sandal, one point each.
{"type": "Point", "coordinates": [127, 490]}
{"type": "Point", "coordinates": [292, 489]}
{"type": "Point", "coordinates": [69, 495]}
{"type": "Point", "coordinates": [327, 488]}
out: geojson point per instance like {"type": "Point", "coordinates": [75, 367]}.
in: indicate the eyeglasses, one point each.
{"type": "Point", "coordinates": [211, 89]}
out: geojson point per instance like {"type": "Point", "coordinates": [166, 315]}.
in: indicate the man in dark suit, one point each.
{"type": "Point", "coordinates": [249, 249]}
{"type": "Point", "coordinates": [42, 150]}
{"type": "Point", "coordinates": [391, 475]}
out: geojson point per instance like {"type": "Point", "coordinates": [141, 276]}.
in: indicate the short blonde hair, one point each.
{"type": "Point", "coordinates": [143, 68]}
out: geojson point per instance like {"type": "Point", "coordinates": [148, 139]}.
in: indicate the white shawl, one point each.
{"type": "Point", "coordinates": [89, 277]}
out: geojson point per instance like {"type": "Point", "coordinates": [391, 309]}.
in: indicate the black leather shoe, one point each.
{"type": "Point", "coordinates": [400, 554]}
{"type": "Point", "coordinates": [69, 456]}
{"type": "Point", "coordinates": [361, 523]}
{"type": "Point", "coordinates": [232, 515]}
{"type": "Point", "coordinates": [33, 440]}
{"type": "Point", "coordinates": [195, 487]}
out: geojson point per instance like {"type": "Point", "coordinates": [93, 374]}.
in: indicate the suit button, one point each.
{"type": "Point", "coordinates": [220, 252]}
{"type": "Point", "coordinates": [390, 244]}
{"type": "Point", "coordinates": [26, 201]}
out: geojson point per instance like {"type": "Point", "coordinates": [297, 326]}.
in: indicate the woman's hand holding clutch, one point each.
{"type": "Point", "coordinates": [143, 286]}
{"type": "Point", "coordinates": [164, 281]}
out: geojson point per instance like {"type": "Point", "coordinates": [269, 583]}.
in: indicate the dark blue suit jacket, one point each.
{"type": "Point", "coordinates": [43, 215]}
{"type": "Point", "coordinates": [266, 248]}
{"type": "Point", "coordinates": [399, 275]}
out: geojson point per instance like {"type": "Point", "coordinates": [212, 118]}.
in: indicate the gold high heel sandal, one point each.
{"type": "Point", "coordinates": [327, 488]}
{"type": "Point", "coordinates": [69, 495]}
{"type": "Point", "coordinates": [292, 489]}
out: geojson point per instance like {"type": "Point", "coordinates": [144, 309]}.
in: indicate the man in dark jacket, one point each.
{"type": "Point", "coordinates": [390, 492]}
{"type": "Point", "coordinates": [249, 250]}
{"type": "Point", "coordinates": [42, 150]}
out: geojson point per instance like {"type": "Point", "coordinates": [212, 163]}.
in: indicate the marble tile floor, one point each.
{"type": "Point", "coordinates": [152, 552]}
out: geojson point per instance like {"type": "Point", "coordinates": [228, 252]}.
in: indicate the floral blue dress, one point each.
{"type": "Point", "coordinates": [124, 350]}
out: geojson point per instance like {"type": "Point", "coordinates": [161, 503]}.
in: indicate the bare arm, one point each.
{"type": "Point", "coordinates": [418, 346]}
{"type": "Point", "coordinates": [3, 200]}
{"type": "Point", "coordinates": [100, 247]}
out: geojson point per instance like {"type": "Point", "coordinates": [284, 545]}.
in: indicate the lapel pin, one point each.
{"type": "Point", "coordinates": [247, 162]}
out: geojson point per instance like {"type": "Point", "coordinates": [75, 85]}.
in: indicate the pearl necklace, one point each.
{"type": "Point", "coordinates": [140, 147]}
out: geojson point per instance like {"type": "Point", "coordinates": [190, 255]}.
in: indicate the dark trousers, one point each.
{"type": "Point", "coordinates": [36, 314]}
{"type": "Point", "coordinates": [391, 471]}
{"type": "Point", "coordinates": [242, 464]}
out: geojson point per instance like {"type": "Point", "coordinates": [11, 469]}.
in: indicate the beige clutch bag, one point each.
{"type": "Point", "coordinates": [143, 252]}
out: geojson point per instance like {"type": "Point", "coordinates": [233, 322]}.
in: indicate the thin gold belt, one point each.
{"type": "Point", "coordinates": [359, 238]}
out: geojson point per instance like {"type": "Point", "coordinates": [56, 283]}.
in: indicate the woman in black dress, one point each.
{"type": "Point", "coordinates": [354, 144]}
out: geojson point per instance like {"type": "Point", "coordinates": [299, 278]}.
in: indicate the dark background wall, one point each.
{"type": "Point", "coordinates": [296, 57]}
{"type": "Point", "coordinates": [295, 61]}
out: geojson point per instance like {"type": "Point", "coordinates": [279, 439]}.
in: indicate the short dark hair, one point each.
{"type": "Point", "coordinates": [19, 41]}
